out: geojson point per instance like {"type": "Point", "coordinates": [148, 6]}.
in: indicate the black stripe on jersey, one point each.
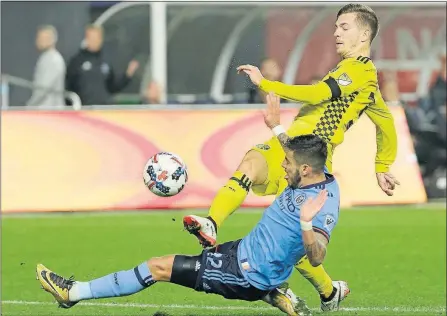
{"type": "Point", "coordinates": [320, 231]}
{"type": "Point", "coordinates": [363, 59]}
{"type": "Point", "coordinates": [333, 85]}
{"type": "Point", "coordinates": [244, 182]}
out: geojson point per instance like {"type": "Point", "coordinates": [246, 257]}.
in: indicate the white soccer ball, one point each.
{"type": "Point", "coordinates": [165, 174]}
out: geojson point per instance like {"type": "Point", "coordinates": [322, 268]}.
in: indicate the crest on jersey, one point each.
{"type": "Point", "coordinates": [344, 80]}
{"type": "Point", "coordinates": [329, 222]}
{"type": "Point", "coordinates": [263, 146]}
{"type": "Point", "coordinates": [300, 199]}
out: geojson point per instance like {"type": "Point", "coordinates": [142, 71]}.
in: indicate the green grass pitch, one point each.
{"type": "Point", "coordinates": [393, 258]}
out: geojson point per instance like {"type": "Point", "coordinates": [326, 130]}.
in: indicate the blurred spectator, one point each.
{"type": "Point", "coordinates": [49, 72]}
{"type": "Point", "coordinates": [271, 70]}
{"type": "Point", "coordinates": [90, 76]}
{"type": "Point", "coordinates": [438, 97]}
{"type": "Point", "coordinates": [427, 124]}
{"type": "Point", "coordinates": [152, 93]}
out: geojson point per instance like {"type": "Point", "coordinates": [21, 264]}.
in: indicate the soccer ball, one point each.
{"type": "Point", "coordinates": [165, 174]}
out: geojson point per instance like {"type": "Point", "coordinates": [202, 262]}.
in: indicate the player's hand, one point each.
{"type": "Point", "coordinates": [252, 72]}
{"type": "Point", "coordinates": [272, 112]}
{"type": "Point", "coordinates": [387, 182]}
{"type": "Point", "coordinates": [132, 67]}
{"type": "Point", "coordinates": [312, 206]}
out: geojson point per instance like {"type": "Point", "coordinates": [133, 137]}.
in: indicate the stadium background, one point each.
{"type": "Point", "coordinates": [92, 159]}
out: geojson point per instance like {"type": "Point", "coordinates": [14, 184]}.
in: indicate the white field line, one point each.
{"type": "Point", "coordinates": [226, 307]}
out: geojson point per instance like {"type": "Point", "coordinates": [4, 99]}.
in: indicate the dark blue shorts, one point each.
{"type": "Point", "coordinates": [220, 274]}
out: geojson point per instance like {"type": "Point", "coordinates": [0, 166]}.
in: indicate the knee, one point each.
{"type": "Point", "coordinates": [160, 268]}
{"type": "Point", "coordinates": [254, 166]}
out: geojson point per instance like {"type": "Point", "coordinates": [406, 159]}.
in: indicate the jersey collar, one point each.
{"type": "Point", "coordinates": [329, 179]}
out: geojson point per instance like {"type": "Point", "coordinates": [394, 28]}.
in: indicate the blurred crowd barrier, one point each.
{"type": "Point", "coordinates": [93, 160]}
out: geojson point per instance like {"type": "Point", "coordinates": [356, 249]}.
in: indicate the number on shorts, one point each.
{"type": "Point", "coordinates": [215, 263]}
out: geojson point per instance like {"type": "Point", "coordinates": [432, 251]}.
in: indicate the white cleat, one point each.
{"type": "Point", "coordinates": [203, 228]}
{"type": "Point", "coordinates": [342, 291]}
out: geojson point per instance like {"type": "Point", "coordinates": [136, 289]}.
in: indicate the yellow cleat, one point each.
{"type": "Point", "coordinates": [285, 300]}
{"type": "Point", "coordinates": [58, 286]}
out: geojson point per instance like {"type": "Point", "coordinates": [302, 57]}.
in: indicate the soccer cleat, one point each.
{"type": "Point", "coordinates": [203, 228]}
{"type": "Point", "coordinates": [58, 286]}
{"type": "Point", "coordinates": [342, 291]}
{"type": "Point", "coordinates": [286, 301]}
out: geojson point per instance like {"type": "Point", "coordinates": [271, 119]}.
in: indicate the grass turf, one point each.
{"type": "Point", "coordinates": [393, 258]}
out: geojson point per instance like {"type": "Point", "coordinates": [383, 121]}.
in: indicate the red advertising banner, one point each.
{"type": "Point", "coordinates": [93, 160]}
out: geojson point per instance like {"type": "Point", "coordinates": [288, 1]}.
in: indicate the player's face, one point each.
{"type": "Point", "coordinates": [291, 167]}
{"type": "Point", "coordinates": [348, 35]}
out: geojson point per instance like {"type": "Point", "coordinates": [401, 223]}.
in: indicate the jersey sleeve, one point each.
{"type": "Point", "coordinates": [325, 221]}
{"type": "Point", "coordinates": [310, 94]}
{"type": "Point", "coordinates": [386, 136]}
{"type": "Point", "coordinates": [352, 75]}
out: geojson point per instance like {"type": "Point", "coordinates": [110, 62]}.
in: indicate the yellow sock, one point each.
{"type": "Point", "coordinates": [229, 197]}
{"type": "Point", "coordinates": [316, 275]}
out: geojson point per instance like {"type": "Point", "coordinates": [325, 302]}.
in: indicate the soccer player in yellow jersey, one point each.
{"type": "Point", "coordinates": [330, 107]}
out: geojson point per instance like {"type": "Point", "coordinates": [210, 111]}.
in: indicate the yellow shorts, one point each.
{"type": "Point", "coordinates": [274, 156]}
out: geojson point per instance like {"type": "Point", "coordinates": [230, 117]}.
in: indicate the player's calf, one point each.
{"type": "Point", "coordinates": [121, 283]}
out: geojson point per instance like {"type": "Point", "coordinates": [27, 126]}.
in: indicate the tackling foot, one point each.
{"type": "Point", "coordinates": [203, 228]}
{"type": "Point", "coordinates": [56, 285]}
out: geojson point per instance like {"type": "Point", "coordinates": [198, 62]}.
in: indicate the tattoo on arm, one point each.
{"type": "Point", "coordinates": [317, 250]}
{"type": "Point", "coordinates": [284, 140]}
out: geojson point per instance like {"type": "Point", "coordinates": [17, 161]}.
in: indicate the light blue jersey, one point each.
{"type": "Point", "coordinates": [268, 254]}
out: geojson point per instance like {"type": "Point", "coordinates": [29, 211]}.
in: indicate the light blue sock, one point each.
{"type": "Point", "coordinates": [120, 283]}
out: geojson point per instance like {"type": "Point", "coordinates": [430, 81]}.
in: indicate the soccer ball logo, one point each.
{"type": "Point", "coordinates": [165, 174]}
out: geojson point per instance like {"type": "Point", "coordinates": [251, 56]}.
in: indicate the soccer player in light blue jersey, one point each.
{"type": "Point", "coordinates": [299, 223]}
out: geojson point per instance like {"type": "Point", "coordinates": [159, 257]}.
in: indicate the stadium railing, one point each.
{"type": "Point", "coordinates": [8, 80]}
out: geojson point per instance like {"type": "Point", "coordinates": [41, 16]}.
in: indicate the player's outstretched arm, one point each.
{"type": "Point", "coordinates": [386, 138]}
{"type": "Point", "coordinates": [272, 118]}
{"type": "Point", "coordinates": [311, 94]}
{"type": "Point", "coordinates": [314, 243]}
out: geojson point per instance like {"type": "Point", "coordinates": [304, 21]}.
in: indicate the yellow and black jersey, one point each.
{"type": "Point", "coordinates": [331, 106]}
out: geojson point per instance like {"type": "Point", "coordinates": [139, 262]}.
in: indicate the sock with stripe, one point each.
{"type": "Point", "coordinates": [120, 283]}
{"type": "Point", "coordinates": [229, 198]}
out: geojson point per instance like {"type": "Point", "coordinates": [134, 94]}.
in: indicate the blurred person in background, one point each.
{"type": "Point", "coordinates": [152, 94]}
{"type": "Point", "coordinates": [438, 97]}
{"type": "Point", "coordinates": [49, 72]}
{"type": "Point", "coordinates": [431, 145]}
{"type": "Point", "coordinates": [427, 125]}
{"type": "Point", "coordinates": [272, 71]}
{"type": "Point", "coordinates": [90, 76]}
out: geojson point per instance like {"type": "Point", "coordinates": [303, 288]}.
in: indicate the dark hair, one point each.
{"type": "Point", "coordinates": [365, 16]}
{"type": "Point", "coordinates": [309, 149]}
